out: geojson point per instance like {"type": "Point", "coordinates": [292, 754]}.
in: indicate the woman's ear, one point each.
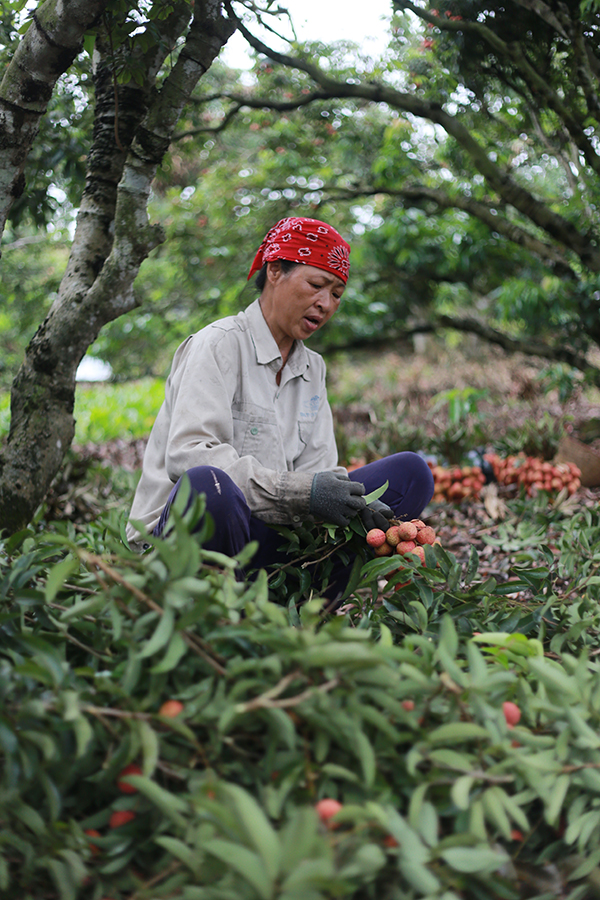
{"type": "Point", "coordinates": [274, 271]}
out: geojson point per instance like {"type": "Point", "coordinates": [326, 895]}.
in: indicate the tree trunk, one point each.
{"type": "Point", "coordinates": [113, 238]}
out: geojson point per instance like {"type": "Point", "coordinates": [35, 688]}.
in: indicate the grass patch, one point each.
{"type": "Point", "coordinates": [109, 411]}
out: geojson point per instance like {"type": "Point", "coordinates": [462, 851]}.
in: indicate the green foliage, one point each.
{"type": "Point", "coordinates": [31, 271]}
{"type": "Point", "coordinates": [537, 437]}
{"type": "Point", "coordinates": [108, 411]}
{"type": "Point", "coordinates": [562, 378]}
{"type": "Point", "coordinates": [463, 430]}
{"type": "Point", "coordinates": [396, 711]}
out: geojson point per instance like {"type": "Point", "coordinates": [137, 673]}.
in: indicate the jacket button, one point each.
{"type": "Point", "coordinates": [254, 431]}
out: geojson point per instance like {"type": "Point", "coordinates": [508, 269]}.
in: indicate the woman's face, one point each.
{"type": "Point", "coordinates": [300, 301]}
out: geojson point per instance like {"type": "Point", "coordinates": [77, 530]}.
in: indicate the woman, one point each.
{"type": "Point", "coordinates": [246, 414]}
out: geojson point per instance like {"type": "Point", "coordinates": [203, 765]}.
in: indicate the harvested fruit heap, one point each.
{"type": "Point", "coordinates": [402, 538]}
{"type": "Point", "coordinates": [456, 482]}
{"type": "Point", "coordinates": [534, 474]}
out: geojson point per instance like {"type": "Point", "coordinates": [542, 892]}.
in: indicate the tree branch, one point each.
{"type": "Point", "coordinates": [542, 10]}
{"type": "Point", "coordinates": [497, 178]}
{"type": "Point", "coordinates": [211, 129]}
{"type": "Point", "coordinates": [534, 79]}
{"type": "Point", "coordinates": [526, 346]}
{"type": "Point", "coordinates": [48, 48]}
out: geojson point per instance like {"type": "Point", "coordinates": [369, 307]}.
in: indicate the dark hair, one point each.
{"type": "Point", "coordinates": [261, 276]}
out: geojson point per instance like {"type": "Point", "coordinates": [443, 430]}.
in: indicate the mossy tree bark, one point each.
{"type": "Point", "coordinates": [132, 132]}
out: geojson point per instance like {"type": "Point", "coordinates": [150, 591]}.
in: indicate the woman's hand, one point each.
{"type": "Point", "coordinates": [376, 515]}
{"type": "Point", "coordinates": [335, 498]}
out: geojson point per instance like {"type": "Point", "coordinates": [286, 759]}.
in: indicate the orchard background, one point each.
{"type": "Point", "coordinates": [167, 731]}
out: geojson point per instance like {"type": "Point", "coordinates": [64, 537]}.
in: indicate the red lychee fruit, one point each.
{"type": "Point", "coordinates": [405, 547]}
{"type": "Point", "coordinates": [124, 786]}
{"type": "Point", "coordinates": [420, 553]}
{"type": "Point", "coordinates": [407, 531]}
{"type": "Point", "coordinates": [512, 713]}
{"type": "Point", "coordinates": [171, 708]}
{"type": "Point", "coordinates": [384, 550]}
{"type": "Point", "coordinates": [326, 809]}
{"type": "Point", "coordinates": [392, 535]}
{"type": "Point", "coordinates": [120, 817]}
{"type": "Point", "coordinates": [375, 537]}
{"type": "Point", "coordinates": [426, 535]}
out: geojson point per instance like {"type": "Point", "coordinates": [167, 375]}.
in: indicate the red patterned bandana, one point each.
{"type": "Point", "coordinates": [307, 241]}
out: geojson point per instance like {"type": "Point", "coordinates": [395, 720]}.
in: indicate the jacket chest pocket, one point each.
{"type": "Point", "coordinates": [256, 433]}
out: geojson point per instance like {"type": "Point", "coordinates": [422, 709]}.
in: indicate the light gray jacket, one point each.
{"type": "Point", "coordinates": [224, 408]}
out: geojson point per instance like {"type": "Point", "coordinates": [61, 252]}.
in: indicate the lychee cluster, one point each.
{"type": "Point", "coordinates": [402, 538]}
{"type": "Point", "coordinates": [456, 483]}
{"type": "Point", "coordinates": [533, 474]}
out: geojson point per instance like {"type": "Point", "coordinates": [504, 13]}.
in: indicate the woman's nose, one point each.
{"type": "Point", "coordinates": [326, 300]}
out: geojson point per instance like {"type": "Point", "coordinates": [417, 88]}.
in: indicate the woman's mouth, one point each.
{"type": "Point", "coordinates": [312, 322]}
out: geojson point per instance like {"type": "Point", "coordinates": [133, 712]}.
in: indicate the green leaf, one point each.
{"type": "Point", "coordinates": [61, 876]}
{"type": "Point", "coordinates": [245, 862]}
{"type": "Point", "coordinates": [170, 804]}
{"type": "Point", "coordinates": [29, 816]}
{"type": "Point", "coordinates": [481, 859]}
{"type": "Point", "coordinates": [188, 856]}
{"type": "Point", "coordinates": [259, 831]}
{"type": "Point", "coordinates": [83, 735]}
{"type": "Point", "coordinates": [175, 652]}
{"type": "Point", "coordinates": [58, 575]}
{"type": "Point", "coordinates": [161, 635]}
{"type": "Point", "coordinates": [557, 798]}
{"type": "Point", "coordinates": [150, 746]}
{"type": "Point", "coordinates": [82, 608]}
{"type": "Point", "coordinates": [298, 836]}
{"type": "Point", "coordinates": [495, 811]}
{"type": "Point", "coordinates": [377, 493]}
{"type": "Point", "coordinates": [460, 791]}
{"type": "Point", "coordinates": [454, 732]}
{"type": "Point", "coordinates": [363, 749]}
{"type": "Point", "coordinates": [554, 677]}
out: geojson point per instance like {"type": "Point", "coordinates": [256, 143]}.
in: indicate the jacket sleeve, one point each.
{"type": "Point", "coordinates": [201, 433]}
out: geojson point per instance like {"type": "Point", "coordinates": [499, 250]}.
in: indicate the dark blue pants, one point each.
{"type": "Point", "coordinates": [410, 490]}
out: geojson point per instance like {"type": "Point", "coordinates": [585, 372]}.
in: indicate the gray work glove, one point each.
{"type": "Point", "coordinates": [334, 498]}
{"type": "Point", "coordinates": [376, 515]}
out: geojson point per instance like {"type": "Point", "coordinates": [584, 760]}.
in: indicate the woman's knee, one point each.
{"type": "Point", "coordinates": [409, 479]}
{"type": "Point", "coordinates": [224, 500]}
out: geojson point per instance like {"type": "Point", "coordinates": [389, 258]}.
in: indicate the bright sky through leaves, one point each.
{"type": "Point", "coordinates": [325, 20]}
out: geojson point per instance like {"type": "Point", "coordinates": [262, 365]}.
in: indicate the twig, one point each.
{"type": "Point", "coordinates": [173, 867]}
{"type": "Point", "coordinates": [567, 769]}
{"type": "Point", "coordinates": [103, 656]}
{"type": "Point", "coordinates": [116, 713]}
{"type": "Point", "coordinates": [264, 701]}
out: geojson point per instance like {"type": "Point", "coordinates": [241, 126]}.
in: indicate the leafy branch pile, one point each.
{"type": "Point", "coordinates": [400, 711]}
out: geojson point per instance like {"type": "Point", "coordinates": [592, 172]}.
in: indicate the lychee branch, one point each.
{"type": "Point", "coordinates": [195, 643]}
{"type": "Point", "coordinates": [264, 701]}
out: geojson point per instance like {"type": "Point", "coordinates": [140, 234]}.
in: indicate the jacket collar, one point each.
{"type": "Point", "coordinates": [267, 351]}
